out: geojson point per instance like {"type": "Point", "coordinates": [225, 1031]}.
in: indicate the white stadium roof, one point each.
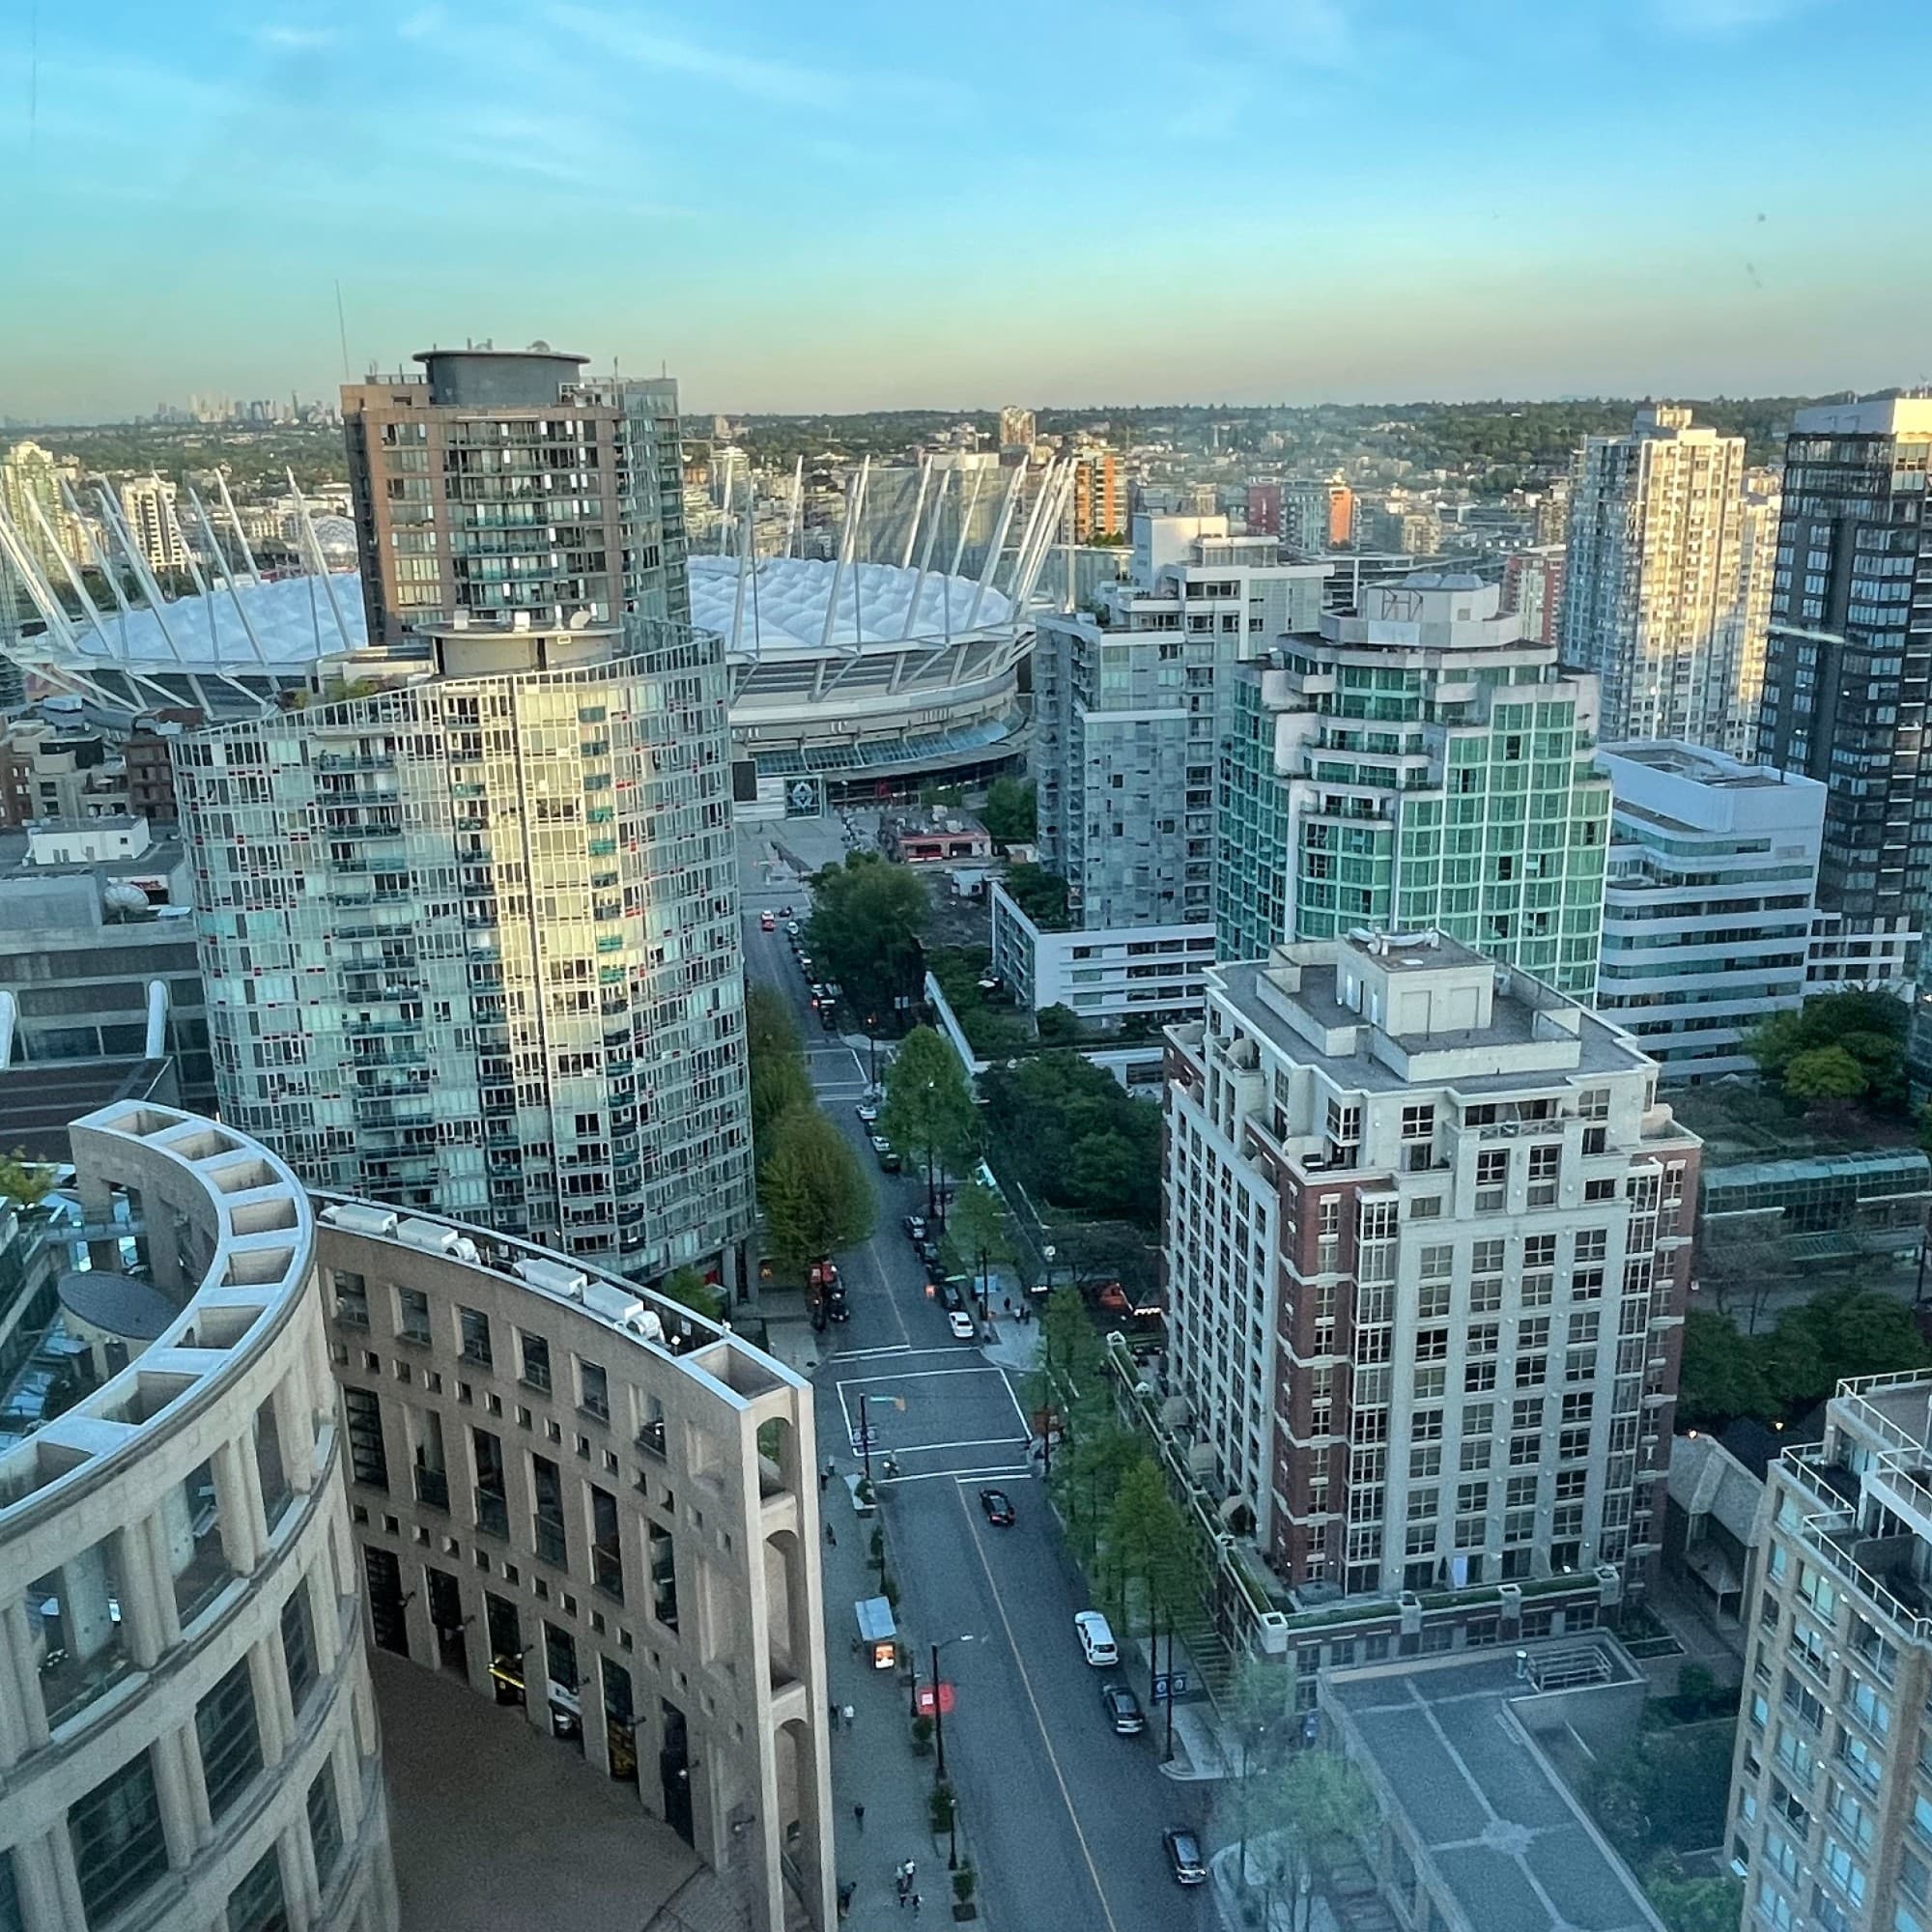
{"type": "Point", "coordinates": [283, 622]}
{"type": "Point", "coordinates": [785, 601]}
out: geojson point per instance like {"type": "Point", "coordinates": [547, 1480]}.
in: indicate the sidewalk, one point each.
{"type": "Point", "coordinates": [873, 1764]}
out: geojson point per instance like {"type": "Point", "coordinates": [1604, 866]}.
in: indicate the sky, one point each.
{"type": "Point", "coordinates": [868, 204]}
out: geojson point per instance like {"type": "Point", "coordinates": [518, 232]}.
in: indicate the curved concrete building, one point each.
{"type": "Point", "coordinates": [187, 1732]}
{"type": "Point", "coordinates": [590, 1502]}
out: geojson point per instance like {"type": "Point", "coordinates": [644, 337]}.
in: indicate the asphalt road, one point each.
{"type": "Point", "coordinates": [1065, 1817]}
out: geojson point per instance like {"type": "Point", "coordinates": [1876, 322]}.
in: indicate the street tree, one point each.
{"type": "Point", "coordinates": [1086, 1481]}
{"type": "Point", "coordinates": [1070, 1381]}
{"type": "Point", "coordinates": [976, 1234]}
{"type": "Point", "coordinates": [816, 1198]}
{"type": "Point", "coordinates": [775, 1052]}
{"type": "Point", "coordinates": [1741, 1270]}
{"type": "Point", "coordinates": [690, 1290]}
{"type": "Point", "coordinates": [1843, 1332]}
{"type": "Point", "coordinates": [1260, 1719]}
{"type": "Point", "coordinates": [1321, 1808]}
{"type": "Point", "coordinates": [928, 1109]}
{"type": "Point", "coordinates": [867, 919]}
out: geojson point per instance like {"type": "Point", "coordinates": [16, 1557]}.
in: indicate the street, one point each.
{"type": "Point", "coordinates": [1065, 1817]}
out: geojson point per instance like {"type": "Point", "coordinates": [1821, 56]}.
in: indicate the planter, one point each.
{"type": "Point", "coordinates": [962, 1913]}
{"type": "Point", "coordinates": [862, 1505]}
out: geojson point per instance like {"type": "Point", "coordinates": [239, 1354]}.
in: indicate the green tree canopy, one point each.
{"type": "Point", "coordinates": [1845, 1331]}
{"type": "Point", "coordinates": [779, 1079]}
{"type": "Point", "coordinates": [1811, 1054]}
{"type": "Point", "coordinates": [928, 1109]}
{"type": "Point", "coordinates": [24, 1182]}
{"type": "Point", "coordinates": [690, 1290]}
{"type": "Point", "coordinates": [1038, 893]}
{"type": "Point", "coordinates": [1041, 1114]}
{"type": "Point", "coordinates": [1825, 1074]}
{"type": "Point", "coordinates": [1011, 815]}
{"type": "Point", "coordinates": [976, 1230]}
{"type": "Point", "coordinates": [1722, 1376]}
{"type": "Point", "coordinates": [816, 1198]}
{"type": "Point", "coordinates": [867, 919]}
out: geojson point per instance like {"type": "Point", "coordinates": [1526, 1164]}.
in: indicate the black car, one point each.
{"type": "Point", "coordinates": [1183, 1856]}
{"type": "Point", "coordinates": [1123, 1709]}
{"type": "Point", "coordinates": [998, 1508]}
{"type": "Point", "coordinates": [928, 1252]}
{"type": "Point", "coordinates": [950, 1297]}
{"type": "Point", "coordinates": [915, 1227]}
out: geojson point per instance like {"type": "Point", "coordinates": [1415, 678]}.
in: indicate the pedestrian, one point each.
{"type": "Point", "coordinates": [858, 1815]}
{"type": "Point", "coordinates": [850, 1716]}
{"type": "Point", "coordinates": [826, 1474]}
{"type": "Point", "coordinates": [832, 1536]}
{"type": "Point", "coordinates": [845, 1891]}
{"type": "Point", "coordinates": [916, 1902]}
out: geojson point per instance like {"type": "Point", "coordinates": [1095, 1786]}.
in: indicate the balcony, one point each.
{"type": "Point", "coordinates": [493, 1514]}
{"type": "Point", "coordinates": [553, 1545]}
{"type": "Point", "coordinates": [432, 1487]}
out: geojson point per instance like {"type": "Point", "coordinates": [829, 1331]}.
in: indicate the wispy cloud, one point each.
{"type": "Point", "coordinates": [785, 83]}
{"type": "Point", "coordinates": [284, 40]}
{"type": "Point", "coordinates": [422, 23]}
{"type": "Point", "coordinates": [1708, 19]}
{"type": "Point", "coordinates": [1311, 32]}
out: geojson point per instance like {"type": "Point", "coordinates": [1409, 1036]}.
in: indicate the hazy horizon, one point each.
{"type": "Point", "coordinates": [1265, 201]}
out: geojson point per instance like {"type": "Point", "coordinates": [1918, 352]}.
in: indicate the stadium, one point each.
{"type": "Point", "coordinates": [863, 675]}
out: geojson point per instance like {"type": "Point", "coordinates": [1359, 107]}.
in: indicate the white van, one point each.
{"type": "Point", "coordinates": [1096, 1639]}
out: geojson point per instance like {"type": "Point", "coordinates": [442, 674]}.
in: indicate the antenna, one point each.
{"type": "Point", "coordinates": [341, 329]}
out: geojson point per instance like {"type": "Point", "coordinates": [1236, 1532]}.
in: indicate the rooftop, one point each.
{"type": "Point", "coordinates": [1508, 1843]}
{"type": "Point", "coordinates": [779, 604]}
{"type": "Point", "coordinates": [1705, 766]}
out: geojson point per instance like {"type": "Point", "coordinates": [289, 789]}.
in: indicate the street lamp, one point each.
{"type": "Point", "coordinates": [938, 1705]}
{"type": "Point", "coordinates": [1049, 1255]}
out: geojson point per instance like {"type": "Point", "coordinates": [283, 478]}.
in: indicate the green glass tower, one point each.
{"type": "Point", "coordinates": [1420, 765]}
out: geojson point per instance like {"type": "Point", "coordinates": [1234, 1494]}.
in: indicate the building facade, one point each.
{"type": "Point", "coordinates": [34, 483]}
{"type": "Point", "coordinates": [1848, 664]}
{"type": "Point", "coordinates": [505, 481]}
{"type": "Point", "coordinates": [1099, 504]}
{"type": "Point", "coordinates": [595, 1505]}
{"type": "Point", "coordinates": [1145, 973]}
{"type": "Point", "coordinates": [1831, 1807]}
{"type": "Point", "coordinates": [1652, 584]}
{"type": "Point", "coordinates": [1016, 428]}
{"type": "Point", "coordinates": [1427, 1240]}
{"type": "Point", "coordinates": [1708, 903]}
{"type": "Point", "coordinates": [1758, 521]}
{"type": "Point", "coordinates": [1128, 710]}
{"type": "Point", "coordinates": [188, 1733]}
{"type": "Point", "coordinates": [471, 941]}
{"type": "Point", "coordinates": [1423, 764]}
{"type": "Point", "coordinates": [148, 510]}
{"type": "Point", "coordinates": [1533, 591]}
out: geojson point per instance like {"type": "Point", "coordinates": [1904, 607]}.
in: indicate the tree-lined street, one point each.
{"type": "Point", "coordinates": [1064, 1817]}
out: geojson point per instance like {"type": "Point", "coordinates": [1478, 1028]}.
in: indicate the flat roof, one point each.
{"type": "Point", "coordinates": [1507, 1840]}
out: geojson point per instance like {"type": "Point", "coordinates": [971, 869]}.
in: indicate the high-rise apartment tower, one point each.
{"type": "Point", "coordinates": [506, 481]}
{"type": "Point", "coordinates": [470, 943]}
{"type": "Point", "coordinates": [1651, 589]}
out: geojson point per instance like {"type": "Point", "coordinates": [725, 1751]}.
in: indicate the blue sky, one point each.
{"type": "Point", "coordinates": [870, 203]}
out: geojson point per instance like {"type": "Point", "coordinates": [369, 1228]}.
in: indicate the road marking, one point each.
{"type": "Point", "coordinates": [957, 1475]}
{"type": "Point", "coordinates": [1038, 1717]}
{"type": "Point", "coordinates": [937, 1448]}
{"type": "Point", "coordinates": [905, 1352]}
{"type": "Point", "coordinates": [1026, 1421]}
{"type": "Point", "coordinates": [924, 1376]}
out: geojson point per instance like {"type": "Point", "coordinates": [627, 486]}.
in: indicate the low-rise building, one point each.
{"type": "Point", "coordinates": [1708, 902]}
{"type": "Point", "coordinates": [1144, 973]}
{"type": "Point", "coordinates": [935, 839]}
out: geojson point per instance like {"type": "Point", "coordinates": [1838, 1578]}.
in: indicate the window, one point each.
{"type": "Point", "coordinates": [352, 1299]}
{"type": "Point", "coordinates": [119, 1848]}
{"type": "Point", "coordinates": [547, 1488]}
{"type": "Point", "coordinates": [256, 1904]}
{"type": "Point", "coordinates": [1492, 1179]}
{"type": "Point", "coordinates": [324, 1825]}
{"type": "Point", "coordinates": [368, 1460]}
{"type": "Point", "coordinates": [606, 1560]}
{"type": "Point", "coordinates": [411, 1316]}
{"type": "Point", "coordinates": [474, 1328]}
{"type": "Point", "coordinates": [593, 1394]}
{"type": "Point", "coordinates": [193, 1521]}
{"type": "Point", "coordinates": [73, 1623]}
{"type": "Point", "coordinates": [231, 1748]}
{"type": "Point", "coordinates": [536, 1360]}
{"type": "Point", "coordinates": [298, 1644]}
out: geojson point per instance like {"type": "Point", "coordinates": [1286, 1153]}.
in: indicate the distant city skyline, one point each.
{"type": "Point", "coordinates": [866, 209]}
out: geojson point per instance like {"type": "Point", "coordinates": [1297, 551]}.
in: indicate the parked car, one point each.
{"type": "Point", "coordinates": [1096, 1639]}
{"type": "Point", "coordinates": [791, 926]}
{"type": "Point", "coordinates": [915, 1227]}
{"type": "Point", "coordinates": [887, 1154]}
{"type": "Point", "coordinates": [866, 1112]}
{"type": "Point", "coordinates": [767, 922]}
{"type": "Point", "coordinates": [1123, 1709]}
{"type": "Point", "coordinates": [928, 1252]}
{"type": "Point", "coordinates": [998, 1508]}
{"type": "Point", "coordinates": [1183, 1856]}
{"type": "Point", "coordinates": [950, 1297]}
{"type": "Point", "coordinates": [961, 1325]}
